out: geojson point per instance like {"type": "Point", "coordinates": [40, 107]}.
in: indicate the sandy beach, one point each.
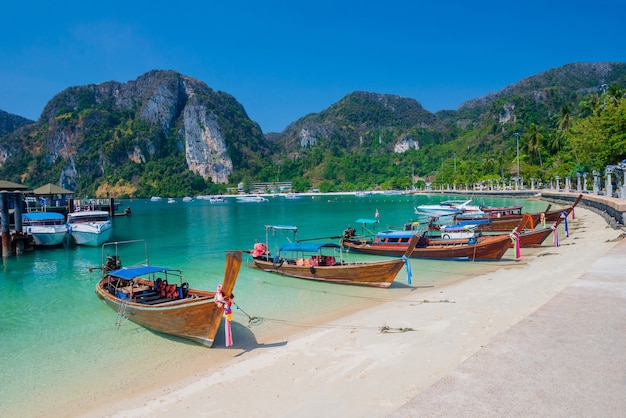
{"type": "Point", "coordinates": [372, 362]}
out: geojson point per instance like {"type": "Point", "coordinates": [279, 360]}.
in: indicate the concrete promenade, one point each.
{"type": "Point", "coordinates": [567, 359]}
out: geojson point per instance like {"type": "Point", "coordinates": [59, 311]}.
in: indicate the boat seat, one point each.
{"type": "Point", "coordinates": [156, 301]}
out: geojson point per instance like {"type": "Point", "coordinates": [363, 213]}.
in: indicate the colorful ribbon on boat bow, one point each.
{"type": "Point", "coordinates": [564, 216]}
{"type": "Point", "coordinates": [542, 219]}
{"type": "Point", "coordinates": [556, 234]}
{"type": "Point", "coordinates": [408, 268]}
{"type": "Point", "coordinates": [228, 313]}
{"type": "Point", "coordinates": [515, 239]}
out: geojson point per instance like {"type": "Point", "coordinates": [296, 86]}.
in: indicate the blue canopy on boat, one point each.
{"type": "Point", "coordinates": [39, 216]}
{"type": "Point", "coordinates": [367, 221]}
{"type": "Point", "coordinates": [132, 272]}
{"type": "Point", "coordinates": [396, 233]}
{"type": "Point", "coordinates": [282, 227]}
{"type": "Point", "coordinates": [309, 247]}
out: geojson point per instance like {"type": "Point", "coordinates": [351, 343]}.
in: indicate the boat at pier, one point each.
{"type": "Point", "coordinates": [91, 228]}
{"type": "Point", "coordinates": [46, 228]}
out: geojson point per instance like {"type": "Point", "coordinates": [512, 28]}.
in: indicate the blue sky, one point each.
{"type": "Point", "coordinates": [285, 59]}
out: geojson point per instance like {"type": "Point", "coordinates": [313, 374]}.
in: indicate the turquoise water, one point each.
{"type": "Point", "coordinates": [56, 334]}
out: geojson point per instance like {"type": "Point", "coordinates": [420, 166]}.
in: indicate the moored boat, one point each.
{"type": "Point", "coordinates": [46, 228]}
{"type": "Point", "coordinates": [323, 262]}
{"type": "Point", "coordinates": [251, 198]}
{"type": "Point", "coordinates": [157, 297]}
{"type": "Point", "coordinates": [395, 243]}
{"type": "Point", "coordinates": [92, 228]}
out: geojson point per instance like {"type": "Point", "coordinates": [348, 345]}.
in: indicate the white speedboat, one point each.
{"type": "Point", "coordinates": [92, 228]}
{"type": "Point", "coordinates": [46, 228]}
{"type": "Point", "coordinates": [251, 198]}
{"type": "Point", "coordinates": [449, 207]}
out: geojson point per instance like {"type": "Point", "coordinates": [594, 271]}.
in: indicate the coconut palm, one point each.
{"type": "Point", "coordinates": [533, 142]}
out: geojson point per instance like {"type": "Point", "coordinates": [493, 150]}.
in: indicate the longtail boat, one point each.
{"type": "Point", "coordinates": [506, 224]}
{"type": "Point", "coordinates": [312, 261]}
{"type": "Point", "coordinates": [158, 298]}
{"type": "Point", "coordinates": [395, 243]}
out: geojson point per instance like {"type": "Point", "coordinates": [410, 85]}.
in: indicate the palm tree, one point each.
{"type": "Point", "coordinates": [534, 142]}
{"type": "Point", "coordinates": [591, 106]}
{"type": "Point", "coordinates": [564, 119]}
{"type": "Point", "coordinates": [563, 123]}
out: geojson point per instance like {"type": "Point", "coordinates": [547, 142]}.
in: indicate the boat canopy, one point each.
{"type": "Point", "coordinates": [308, 247]}
{"type": "Point", "coordinates": [40, 216]}
{"type": "Point", "coordinates": [282, 227]}
{"type": "Point", "coordinates": [367, 221]}
{"type": "Point", "coordinates": [396, 233]}
{"type": "Point", "coordinates": [132, 272]}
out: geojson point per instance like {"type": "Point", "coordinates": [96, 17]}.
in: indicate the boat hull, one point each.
{"type": "Point", "coordinates": [374, 274]}
{"type": "Point", "coordinates": [196, 319]}
{"type": "Point", "coordinates": [90, 235]}
{"type": "Point", "coordinates": [195, 316]}
{"type": "Point", "coordinates": [48, 235]}
{"type": "Point", "coordinates": [485, 248]}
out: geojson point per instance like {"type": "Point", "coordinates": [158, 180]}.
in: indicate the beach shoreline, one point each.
{"type": "Point", "coordinates": [345, 365]}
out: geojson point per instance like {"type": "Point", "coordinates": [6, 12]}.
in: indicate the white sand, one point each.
{"type": "Point", "coordinates": [349, 368]}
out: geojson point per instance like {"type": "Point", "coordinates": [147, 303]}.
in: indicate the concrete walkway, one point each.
{"type": "Point", "coordinates": [568, 359]}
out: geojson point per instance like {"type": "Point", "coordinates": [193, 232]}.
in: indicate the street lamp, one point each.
{"type": "Point", "coordinates": [517, 135]}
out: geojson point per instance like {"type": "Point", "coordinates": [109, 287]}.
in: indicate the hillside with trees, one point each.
{"type": "Point", "coordinates": [563, 121]}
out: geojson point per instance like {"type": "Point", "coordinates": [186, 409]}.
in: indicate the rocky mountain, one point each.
{"type": "Point", "coordinates": [10, 122]}
{"type": "Point", "coordinates": [87, 135]}
{"type": "Point", "coordinates": [169, 134]}
{"type": "Point", "coordinates": [534, 100]}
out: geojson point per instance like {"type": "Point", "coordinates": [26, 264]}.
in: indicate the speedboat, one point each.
{"type": "Point", "coordinates": [251, 198]}
{"type": "Point", "coordinates": [46, 228]}
{"type": "Point", "coordinates": [449, 207]}
{"type": "Point", "coordinates": [92, 228]}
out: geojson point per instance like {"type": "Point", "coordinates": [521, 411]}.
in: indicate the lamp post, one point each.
{"type": "Point", "coordinates": [517, 135]}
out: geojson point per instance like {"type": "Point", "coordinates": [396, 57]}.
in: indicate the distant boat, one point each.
{"type": "Point", "coordinates": [251, 198]}
{"type": "Point", "coordinates": [142, 294]}
{"type": "Point", "coordinates": [92, 228]}
{"type": "Point", "coordinates": [216, 199]}
{"type": "Point", "coordinates": [155, 199]}
{"type": "Point", "coordinates": [171, 200]}
{"type": "Point", "coordinates": [46, 228]}
{"type": "Point", "coordinates": [187, 199]}
{"type": "Point", "coordinates": [293, 196]}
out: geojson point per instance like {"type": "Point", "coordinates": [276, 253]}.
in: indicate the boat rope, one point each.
{"type": "Point", "coordinates": [383, 328]}
{"type": "Point", "coordinates": [252, 320]}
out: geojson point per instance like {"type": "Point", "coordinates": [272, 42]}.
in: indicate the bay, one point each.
{"type": "Point", "coordinates": [59, 342]}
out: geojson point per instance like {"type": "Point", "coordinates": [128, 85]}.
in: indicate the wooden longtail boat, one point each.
{"type": "Point", "coordinates": [506, 224]}
{"type": "Point", "coordinates": [309, 261]}
{"type": "Point", "coordinates": [146, 295]}
{"type": "Point", "coordinates": [395, 243]}
{"type": "Point", "coordinates": [529, 236]}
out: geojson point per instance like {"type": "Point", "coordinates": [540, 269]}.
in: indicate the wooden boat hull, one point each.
{"type": "Point", "coordinates": [534, 238]}
{"type": "Point", "coordinates": [194, 319]}
{"type": "Point", "coordinates": [485, 248]}
{"type": "Point", "coordinates": [374, 274]}
{"type": "Point", "coordinates": [195, 316]}
{"type": "Point", "coordinates": [508, 222]}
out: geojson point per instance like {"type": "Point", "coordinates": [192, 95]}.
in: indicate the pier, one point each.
{"type": "Point", "coordinates": [16, 199]}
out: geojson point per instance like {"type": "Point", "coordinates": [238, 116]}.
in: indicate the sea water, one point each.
{"type": "Point", "coordinates": [59, 342]}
